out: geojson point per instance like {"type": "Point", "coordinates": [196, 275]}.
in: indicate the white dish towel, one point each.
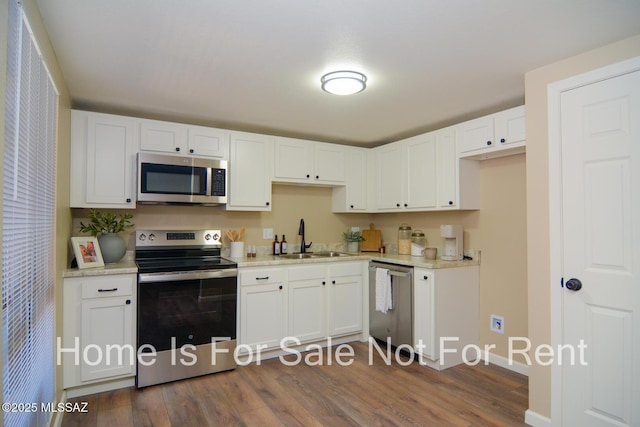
{"type": "Point", "coordinates": [383, 290]}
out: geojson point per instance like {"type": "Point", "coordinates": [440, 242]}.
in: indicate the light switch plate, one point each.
{"type": "Point", "coordinates": [267, 233]}
{"type": "Point", "coordinates": [354, 229]}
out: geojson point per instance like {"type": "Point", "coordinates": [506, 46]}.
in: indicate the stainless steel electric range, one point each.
{"type": "Point", "coordinates": [187, 295]}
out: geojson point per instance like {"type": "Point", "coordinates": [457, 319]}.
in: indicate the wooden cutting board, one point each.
{"type": "Point", "coordinates": [372, 239]}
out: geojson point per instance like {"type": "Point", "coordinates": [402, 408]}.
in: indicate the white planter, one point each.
{"type": "Point", "coordinates": [353, 247]}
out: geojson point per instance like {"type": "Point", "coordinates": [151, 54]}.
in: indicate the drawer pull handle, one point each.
{"type": "Point", "coordinates": [262, 278]}
{"type": "Point", "coordinates": [108, 290]}
{"type": "Point", "coordinates": [128, 302]}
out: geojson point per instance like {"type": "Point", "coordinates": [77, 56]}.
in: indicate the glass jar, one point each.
{"type": "Point", "coordinates": [404, 240]}
{"type": "Point", "coordinates": [418, 243]}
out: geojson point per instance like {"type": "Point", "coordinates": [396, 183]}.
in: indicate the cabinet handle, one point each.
{"type": "Point", "coordinates": [108, 290]}
{"type": "Point", "coordinates": [308, 176]}
{"type": "Point", "coordinates": [128, 302]}
{"type": "Point", "coordinates": [450, 202]}
{"type": "Point", "coordinates": [488, 142]}
{"type": "Point", "coordinates": [397, 205]}
{"type": "Point", "coordinates": [177, 148]}
{"type": "Point", "coordinates": [267, 203]}
{"type": "Point", "coordinates": [262, 278]}
{"type": "Point", "coordinates": [280, 287]}
{"type": "Point", "coordinates": [128, 200]}
{"type": "Point", "coordinates": [502, 140]}
{"type": "Point", "coordinates": [324, 283]}
{"type": "Point", "coordinates": [333, 282]}
{"type": "Point", "coordinates": [351, 206]}
{"type": "Point", "coordinates": [425, 277]}
{"type": "Point", "coordinates": [191, 150]}
{"type": "Point", "coordinates": [405, 205]}
{"type": "Point", "coordinates": [317, 176]}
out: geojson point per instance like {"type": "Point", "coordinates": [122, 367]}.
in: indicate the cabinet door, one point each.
{"type": "Point", "coordinates": [307, 309]}
{"type": "Point", "coordinates": [263, 315]}
{"type": "Point", "coordinates": [510, 126]}
{"type": "Point", "coordinates": [208, 142]}
{"type": "Point", "coordinates": [447, 168]}
{"type": "Point", "coordinates": [293, 160]}
{"type": "Point", "coordinates": [352, 197]}
{"type": "Point", "coordinates": [424, 313]}
{"type": "Point", "coordinates": [164, 137]}
{"type": "Point", "coordinates": [475, 134]}
{"type": "Point", "coordinates": [110, 162]}
{"type": "Point", "coordinates": [329, 163]}
{"type": "Point", "coordinates": [344, 305]}
{"type": "Point", "coordinates": [389, 180]}
{"type": "Point", "coordinates": [250, 172]}
{"type": "Point", "coordinates": [107, 323]}
{"type": "Point", "coordinates": [420, 166]}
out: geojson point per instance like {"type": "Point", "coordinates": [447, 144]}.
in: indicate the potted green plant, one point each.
{"type": "Point", "coordinates": [353, 239]}
{"type": "Point", "coordinates": [106, 226]}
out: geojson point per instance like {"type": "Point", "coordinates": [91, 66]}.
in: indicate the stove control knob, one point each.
{"type": "Point", "coordinates": [216, 236]}
{"type": "Point", "coordinates": [142, 237]}
{"type": "Point", "coordinates": [152, 237]}
{"type": "Point", "coordinates": [207, 236]}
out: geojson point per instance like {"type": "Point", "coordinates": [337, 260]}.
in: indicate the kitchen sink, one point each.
{"type": "Point", "coordinates": [306, 255]}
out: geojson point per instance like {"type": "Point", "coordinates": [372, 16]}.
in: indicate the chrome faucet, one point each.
{"type": "Point", "coordinates": [303, 247]}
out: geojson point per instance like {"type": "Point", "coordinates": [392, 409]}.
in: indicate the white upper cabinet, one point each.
{"type": "Point", "coordinates": [496, 135]}
{"type": "Point", "coordinates": [103, 156]}
{"type": "Point", "coordinates": [446, 168]}
{"type": "Point", "coordinates": [308, 162]}
{"type": "Point", "coordinates": [176, 138]}
{"type": "Point", "coordinates": [250, 163]}
{"type": "Point", "coordinates": [352, 197]}
{"type": "Point", "coordinates": [406, 174]}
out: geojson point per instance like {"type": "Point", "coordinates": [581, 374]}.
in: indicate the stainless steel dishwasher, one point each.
{"type": "Point", "coordinates": [396, 325]}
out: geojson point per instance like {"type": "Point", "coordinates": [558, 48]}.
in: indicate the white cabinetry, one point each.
{"type": "Point", "coordinates": [308, 162]}
{"type": "Point", "coordinates": [495, 135]}
{"type": "Point", "coordinates": [181, 139]}
{"type": "Point", "coordinates": [99, 320]}
{"type": "Point", "coordinates": [103, 169]}
{"type": "Point", "coordinates": [309, 302]}
{"type": "Point", "coordinates": [250, 163]}
{"type": "Point", "coordinates": [263, 307]}
{"type": "Point", "coordinates": [352, 197]}
{"type": "Point", "coordinates": [445, 305]}
{"type": "Point", "coordinates": [406, 174]}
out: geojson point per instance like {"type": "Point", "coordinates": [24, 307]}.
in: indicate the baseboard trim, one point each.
{"type": "Point", "coordinates": [536, 420]}
{"type": "Point", "coordinates": [503, 362]}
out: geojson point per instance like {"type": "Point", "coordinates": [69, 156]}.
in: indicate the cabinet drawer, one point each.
{"type": "Point", "coordinates": [345, 269]}
{"type": "Point", "coordinates": [309, 272]}
{"type": "Point", "coordinates": [262, 276]}
{"type": "Point", "coordinates": [108, 286]}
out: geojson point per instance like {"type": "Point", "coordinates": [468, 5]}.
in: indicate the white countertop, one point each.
{"type": "Point", "coordinates": [128, 265]}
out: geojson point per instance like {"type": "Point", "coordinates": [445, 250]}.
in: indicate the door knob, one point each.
{"type": "Point", "coordinates": [574, 285]}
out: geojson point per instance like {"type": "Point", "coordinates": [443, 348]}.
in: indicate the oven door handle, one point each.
{"type": "Point", "coordinates": [186, 275]}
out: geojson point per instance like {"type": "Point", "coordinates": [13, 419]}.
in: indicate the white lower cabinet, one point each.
{"type": "Point", "coordinates": [308, 302]}
{"type": "Point", "coordinates": [445, 314]}
{"type": "Point", "coordinates": [263, 307]}
{"type": "Point", "coordinates": [99, 329]}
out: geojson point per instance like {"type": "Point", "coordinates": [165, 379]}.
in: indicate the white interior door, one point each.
{"type": "Point", "coordinates": [601, 249]}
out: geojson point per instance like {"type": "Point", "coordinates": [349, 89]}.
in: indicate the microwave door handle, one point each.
{"type": "Point", "coordinates": [209, 183]}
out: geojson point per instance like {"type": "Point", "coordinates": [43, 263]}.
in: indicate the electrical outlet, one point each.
{"type": "Point", "coordinates": [497, 324]}
{"type": "Point", "coordinates": [267, 233]}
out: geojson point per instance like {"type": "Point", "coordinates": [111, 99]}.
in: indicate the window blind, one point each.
{"type": "Point", "coordinates": [28, 223]}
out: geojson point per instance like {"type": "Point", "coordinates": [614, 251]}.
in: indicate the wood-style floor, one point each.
{"type": "Point", "coordinates": [274, 394]}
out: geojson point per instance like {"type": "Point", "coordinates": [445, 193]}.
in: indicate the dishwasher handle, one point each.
{"type": "Point", "coordinates": [394, 272]}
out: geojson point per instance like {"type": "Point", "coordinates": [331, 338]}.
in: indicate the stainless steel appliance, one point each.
{"type": "Point", "coordinates": [396, 325]}
{"type": "Point", "coordinates": [187, 299]}
{"type": "Point", "coordinates": [165, 179]}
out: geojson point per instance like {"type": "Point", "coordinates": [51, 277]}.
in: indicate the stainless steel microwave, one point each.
{"type": "Point", "coordinates": [166, 179]}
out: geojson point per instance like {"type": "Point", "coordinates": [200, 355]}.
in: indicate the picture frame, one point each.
{"type": "Point", "coordinates": [87, 252]}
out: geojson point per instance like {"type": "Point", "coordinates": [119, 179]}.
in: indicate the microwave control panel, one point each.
{"type": "Point", "coordinates": [218, 182]}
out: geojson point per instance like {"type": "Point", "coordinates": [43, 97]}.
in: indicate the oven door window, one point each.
{"type": "Point", "coordinates": [191, 311]}
{"type": "Point", "coordinates": [173, 179]}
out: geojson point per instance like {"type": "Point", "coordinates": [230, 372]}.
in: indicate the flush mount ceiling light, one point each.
{"type": "Point", "coordinates": [344, 82]}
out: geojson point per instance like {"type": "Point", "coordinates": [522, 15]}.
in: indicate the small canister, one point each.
{"type": "Point", "coordinates": [404, 240]}
{"type": "Point", "coordinates": [418, 243]}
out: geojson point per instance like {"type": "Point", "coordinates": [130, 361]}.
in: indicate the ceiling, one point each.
{"type": "Point", "coordinates": [256, 65]}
